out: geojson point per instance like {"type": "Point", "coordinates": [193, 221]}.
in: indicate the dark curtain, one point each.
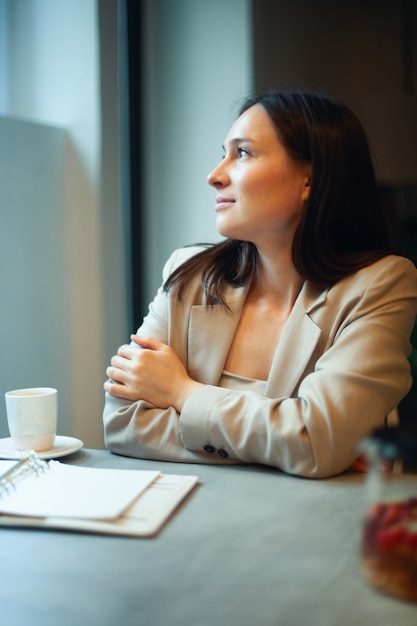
{"type": "Point", "coordinates": [132, 19]}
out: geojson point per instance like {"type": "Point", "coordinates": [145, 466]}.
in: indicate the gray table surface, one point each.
{"type": "Point", "coordinates": [250, 547]}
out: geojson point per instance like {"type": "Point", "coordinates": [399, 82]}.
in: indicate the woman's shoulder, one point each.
{"type": "Point", "coordinates": [180, 256]}
{"type": "Point", "coordinates": [389, 274]}
{"type": "Point", "coordinates": [396, 261]}
{"type": "Point", "coordinates": [391, 267]}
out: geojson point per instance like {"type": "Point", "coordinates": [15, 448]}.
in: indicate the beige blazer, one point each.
{"type": "Point", "coordinates": [339, 368]}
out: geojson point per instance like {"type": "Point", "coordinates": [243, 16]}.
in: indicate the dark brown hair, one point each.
{"type": "Point", "coordinates": [342, 228]}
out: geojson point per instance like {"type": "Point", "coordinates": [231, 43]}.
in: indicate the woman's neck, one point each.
{"type": "Point", "coordinates": [278, 280]}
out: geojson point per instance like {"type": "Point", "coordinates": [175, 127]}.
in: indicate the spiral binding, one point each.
{"type": "Point", "coordinates": [28, 464]}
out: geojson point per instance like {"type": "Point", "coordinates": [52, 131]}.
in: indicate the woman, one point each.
{"type": "Point", "coordinates": [287, 342]}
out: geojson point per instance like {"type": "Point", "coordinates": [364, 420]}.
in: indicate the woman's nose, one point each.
{"type": "Point", "coordinates": [218, 176]}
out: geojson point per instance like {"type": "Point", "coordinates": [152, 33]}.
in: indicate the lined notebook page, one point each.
{"type": "Point", "coordinates": [75, 492]}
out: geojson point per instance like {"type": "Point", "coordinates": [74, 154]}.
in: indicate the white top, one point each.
{"type": "Point", "coordinates": [241, 383]}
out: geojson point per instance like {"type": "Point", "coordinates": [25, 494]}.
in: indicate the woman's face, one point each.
{"type": "Point", "coordinates": [261, 190]}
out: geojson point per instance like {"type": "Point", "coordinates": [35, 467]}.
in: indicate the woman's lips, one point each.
{"type": "Point", "coordinates": [222, 203]}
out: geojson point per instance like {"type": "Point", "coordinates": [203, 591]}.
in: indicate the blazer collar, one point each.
{"type": "Point", "coordinates": [211, 332]}
{"type": "Point", "coordinates": [215, 327]}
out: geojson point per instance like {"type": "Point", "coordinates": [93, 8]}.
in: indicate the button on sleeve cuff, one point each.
{"type": "Point", "coordinates": [195, 422]}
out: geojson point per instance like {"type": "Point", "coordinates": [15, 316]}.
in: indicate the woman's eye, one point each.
{"type": "Point", "coordinates": [242, 152]}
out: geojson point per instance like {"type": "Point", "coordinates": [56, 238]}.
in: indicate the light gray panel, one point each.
{"type": "Point", "coordinates": [35, 342]}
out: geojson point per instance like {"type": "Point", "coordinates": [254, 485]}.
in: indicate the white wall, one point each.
{"type": "Point", "coordinates": [36, 329]}
{"type": "Point", "coordinates": [198, 62]}
{"type": "Point", "coordinates": [4, 69]}
{"type": "Point", "coordinates": [54, 70]}
{"type": "Point", "coordinates": [53, 92]}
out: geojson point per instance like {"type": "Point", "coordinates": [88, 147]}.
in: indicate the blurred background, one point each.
{"type": "Point", "coordinates": [112, 113]}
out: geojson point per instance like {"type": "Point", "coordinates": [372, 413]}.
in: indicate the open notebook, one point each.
{"type": "Point", "coordinates": [40, 494]}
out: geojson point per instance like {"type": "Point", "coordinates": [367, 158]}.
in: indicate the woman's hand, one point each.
{"type": "Point", "coordinates": [362, 465]}
{"type": "Point", "coordinates": [150, 371]}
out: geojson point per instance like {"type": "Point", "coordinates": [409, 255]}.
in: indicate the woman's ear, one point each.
{"type": "Point", "coordinates": [306, 187]}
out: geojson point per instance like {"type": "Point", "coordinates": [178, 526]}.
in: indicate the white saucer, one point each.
{"type": "Point", "coordinates": [61, 447]}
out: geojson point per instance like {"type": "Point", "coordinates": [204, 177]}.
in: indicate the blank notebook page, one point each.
{"type": "Point", "coordinates": [78, 492]}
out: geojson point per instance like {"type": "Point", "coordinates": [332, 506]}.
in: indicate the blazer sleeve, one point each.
{"type": "Point", "coordinates": [360, 376]}
{"type": "Point", "coordinates": [139, 429]}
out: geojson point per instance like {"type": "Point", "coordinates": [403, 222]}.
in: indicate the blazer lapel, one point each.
{"type": "Point", "coordinates": [296, 345]}
{"type": "Point", "coordinates": [214, 327]}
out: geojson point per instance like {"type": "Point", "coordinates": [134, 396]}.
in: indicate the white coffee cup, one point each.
{"type": "Point", "coordinates": [32, 417]}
